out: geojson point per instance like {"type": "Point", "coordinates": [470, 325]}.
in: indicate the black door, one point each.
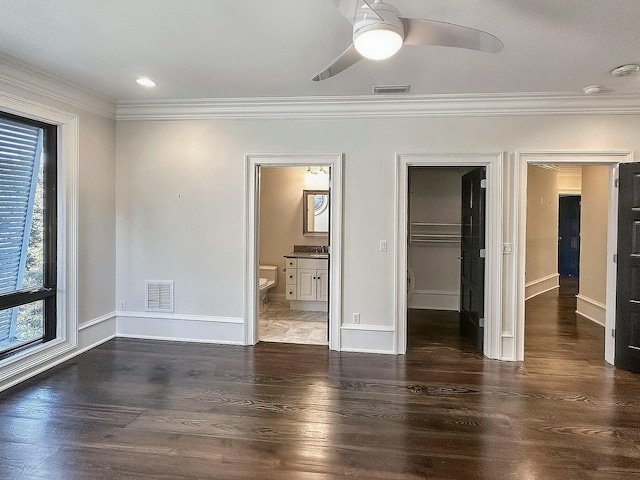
{"type": "Point", "coordinates": [472, 256]}
{"type": "Point", "coordinates": [569, 236]}
{"type": "Point", "coordinates": [628, 280]}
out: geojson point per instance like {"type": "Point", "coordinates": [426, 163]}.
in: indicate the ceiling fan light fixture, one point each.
{"type": "Point", "coordinates": [377, 43]}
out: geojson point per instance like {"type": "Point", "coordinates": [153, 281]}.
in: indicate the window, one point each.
{"type": "Point", "coordinates": [28, 232]}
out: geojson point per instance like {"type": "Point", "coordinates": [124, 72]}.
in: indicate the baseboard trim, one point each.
{"type": "Point", "coordinates": [434, 300]}
{"type": "Point", "coordinates": [180, 328]}
{"type": "Point", "coordinates": [179, 339]}
{"type": "Point", "coordinates": [541, 285]}
{"type": "Point", "coordinates": [362, 338]}
{"type": "Point", "coordinates": [591, 309]}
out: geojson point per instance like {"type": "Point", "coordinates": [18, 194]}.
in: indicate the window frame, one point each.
{"type": "Point", "coordinates": [48, 291]}
{"type": "Point", "coordinates": [29, 362]}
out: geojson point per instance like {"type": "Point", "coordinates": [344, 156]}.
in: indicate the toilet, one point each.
{"type": "Point", "coordinates": [268, 280]}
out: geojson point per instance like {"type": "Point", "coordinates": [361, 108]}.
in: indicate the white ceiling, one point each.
{"type": "Point", "coordinates": [272, 48]}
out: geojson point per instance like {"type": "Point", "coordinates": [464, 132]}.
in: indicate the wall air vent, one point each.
{"type": "Point", "coordinates": [159, 295]}
{"type": "Point", "coordinates": [390, 89]}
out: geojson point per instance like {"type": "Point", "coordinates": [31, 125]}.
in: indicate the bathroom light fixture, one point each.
{"type": "Point", "coordinates": [378, 35]}
{"type": "Point", "coordinates": [320, 170]}
{"type": "Point", "coordinates": [146, 82]}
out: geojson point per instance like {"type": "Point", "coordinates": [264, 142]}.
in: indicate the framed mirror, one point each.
{"type": "Point", "coordinates": [315, 213]}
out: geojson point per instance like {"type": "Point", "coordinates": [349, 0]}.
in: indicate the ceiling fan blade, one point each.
{"type": "Point", "coordinates": [418, 31]}
{"type": "Point", "coordinates": [349, 8]}
{"type": "Point", "coordinates": [344, 61]}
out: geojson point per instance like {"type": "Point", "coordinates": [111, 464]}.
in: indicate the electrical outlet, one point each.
{"type": "Point", "coordinates": [123, 305]}
{"type": "Point", "coordinates": [383, 245]}
{"type": "Point", "coordinates": [356, 318]}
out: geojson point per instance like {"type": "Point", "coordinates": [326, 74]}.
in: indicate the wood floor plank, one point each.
{"type": "Point", "coordinates": [132, 409]}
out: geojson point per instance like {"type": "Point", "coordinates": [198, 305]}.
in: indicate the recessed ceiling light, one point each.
{"type": "Point", "coordinates": [146, 82]}
{"type": "Point", "coordinates": [592, 89]}
{"type": "Point", "coordinates": [625, 70]}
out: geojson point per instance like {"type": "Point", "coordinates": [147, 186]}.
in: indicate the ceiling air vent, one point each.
{"type": "Point", "coordinates": [389, 89]}
{"type": "Point", "coordinates": [159, 295]}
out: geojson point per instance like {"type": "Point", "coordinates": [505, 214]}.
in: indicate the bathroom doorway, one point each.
{"type": "Point", "coordinates": [301, 262]}
{"type": "Point", "coordinates": [294, 207]}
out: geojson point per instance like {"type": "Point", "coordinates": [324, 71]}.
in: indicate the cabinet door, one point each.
{"type": "Point", "coordinates": [306, 284]}
{"type": "Point", "coordinates": [323, 285]}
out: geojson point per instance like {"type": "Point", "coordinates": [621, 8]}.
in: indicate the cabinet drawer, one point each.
{"type": "Point", "coordinates": [291, 276]}
{"type": "Point", "coordinates": [292, 293]}
{"type": "Point", "coordinates": [291, 263]}
{"type": "Point", "coordinates": [315, 263]}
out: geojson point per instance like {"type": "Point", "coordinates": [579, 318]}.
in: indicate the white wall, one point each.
{"type": "Point", "coordinates": [436, 197]}
{"type": "Point", "coordinates": [199, 240]}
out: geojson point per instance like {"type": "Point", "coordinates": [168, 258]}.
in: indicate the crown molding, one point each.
{"type": "Point", "coordinates": [370, 106]}
{"type": "Point", "coordinates": [17, 73]}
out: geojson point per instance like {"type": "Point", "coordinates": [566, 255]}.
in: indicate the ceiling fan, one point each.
{"type": "Point", "coordinates": [379, 31]}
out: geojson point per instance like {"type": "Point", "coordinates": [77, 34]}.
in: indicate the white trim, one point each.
{"type": "Point", "coordinates": [515, 321]}
{"type": "Point", "coordinates": [180, 316]}
{"type": "Point", "coordinates": [179, 339]}
{"type": "Point", "coordinates": [541, 285]}
{"type": "Point", "coordinates": [67, 293]}
{"type": "Point", "coordinates": [252, 162]}
{"type": "Point", "coordinates": [95, 321]}
{"type": "Point", "coordinates": [493, 266]}
{"type": "Point", "coordinates": [181, 328]}
{"type": "Point", "coordinates": [434, 300]}
{"type": "Point", "coordinates": [363, 338]}
{"type": "Point", "coordinates": [367, 327]}
{"type": "Point", "coordinates": [19, 74]}
{"type": "Point", "coordinates": [370, 106]}
{"type": "Point", "coordinates": [591, 309]}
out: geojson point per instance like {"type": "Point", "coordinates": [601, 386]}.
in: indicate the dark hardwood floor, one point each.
{"type": "Point", "coordinates": [134, 409]}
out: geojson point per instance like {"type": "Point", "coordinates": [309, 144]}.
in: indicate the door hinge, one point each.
{"type": "Point", "coordinates": [613, 332]}
{"type": "Point", "coordinates": [481, 322]}
{"type": "Point", "coordinates": [483, 183]}
{"type": "Point", "coordinates": [483, 253]}
{"type": "Point", "coordinates": [615, 258]}
{"type": "Point", "coordinates": [616, 183]}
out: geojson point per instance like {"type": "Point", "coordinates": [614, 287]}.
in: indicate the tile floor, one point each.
{"type": "Point", "coordinates": [280, 324]}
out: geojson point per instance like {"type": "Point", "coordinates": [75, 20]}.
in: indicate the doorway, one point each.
{"type": "Point", "coordinates": [551, 160]}
{"type": "Point", "coordinates": [492, 276]}
{"type": "Point", "coordinates": [445, 251]}
{"type": "Point", "coordinates": [294, 263]}
{"type": "Point", "coordinates": [254, 163]}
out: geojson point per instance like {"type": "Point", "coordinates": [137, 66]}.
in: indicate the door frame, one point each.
{"type": "Point", "coordinates": [522, 162]}
{"type": "Point", "coordinates": [252, 241]}
{"type": "Point", "coordinates": [493, 239]}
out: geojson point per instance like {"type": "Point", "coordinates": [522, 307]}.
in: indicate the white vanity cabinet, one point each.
{"type": "Point", "coordinates": [307, 283]}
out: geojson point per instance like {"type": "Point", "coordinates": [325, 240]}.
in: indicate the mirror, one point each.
{"type": "Point", "coordinates": [315, 213]}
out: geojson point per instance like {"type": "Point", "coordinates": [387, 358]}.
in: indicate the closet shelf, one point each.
{"type": "Point", "coordinates": [424, 233]}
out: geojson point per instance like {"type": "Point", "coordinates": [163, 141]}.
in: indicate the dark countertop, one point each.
{"type": "Point", "coordinates": [307, 255]}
